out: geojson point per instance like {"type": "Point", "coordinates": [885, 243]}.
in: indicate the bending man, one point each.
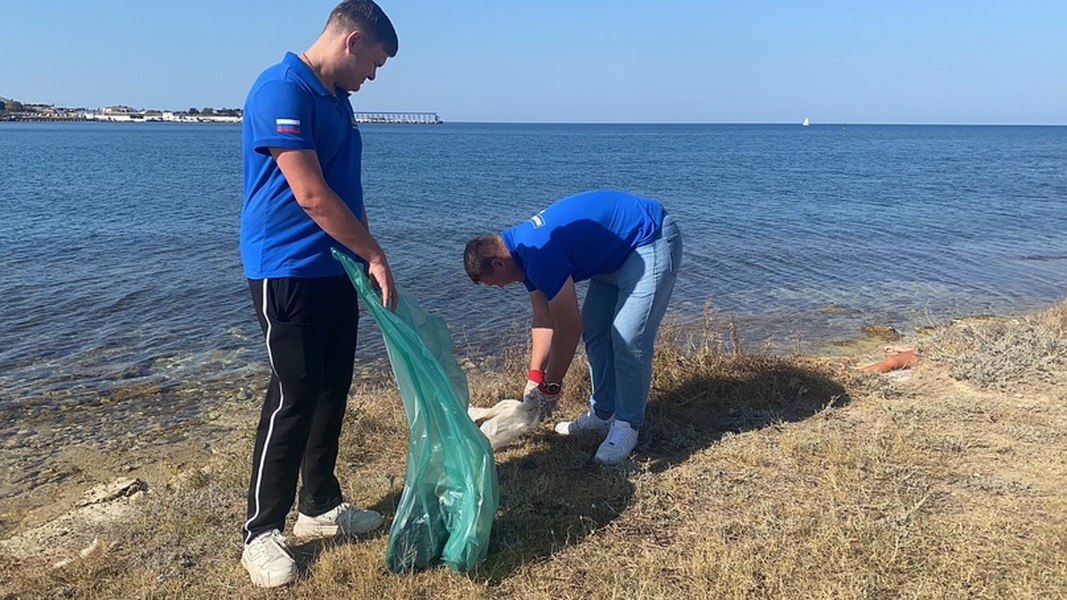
{"type": "Point", "coordinates": [629, 249]}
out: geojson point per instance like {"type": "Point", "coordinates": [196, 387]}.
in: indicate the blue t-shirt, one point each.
{"type": "Point", "coordinates": [288, 107]}
{"type": "Point", "coordinates": [581, 236]}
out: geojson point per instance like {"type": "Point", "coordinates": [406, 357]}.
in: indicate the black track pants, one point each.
{"type": "Point", "coordinates": [309, 326]}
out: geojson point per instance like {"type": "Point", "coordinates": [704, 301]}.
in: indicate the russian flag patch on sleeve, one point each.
{"type": "Point", "coordinates": [288, 125]}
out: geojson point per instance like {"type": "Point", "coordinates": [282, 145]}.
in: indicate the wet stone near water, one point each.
{"type": "Point", "coordinates": [882, 332]}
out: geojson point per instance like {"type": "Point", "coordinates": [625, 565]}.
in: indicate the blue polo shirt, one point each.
{"type": "Point", "coordinates": [288, 107]}
{"type": "Point", "coordinates": [582, 236]}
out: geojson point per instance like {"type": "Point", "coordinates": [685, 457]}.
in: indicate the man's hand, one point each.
{"type": "Point", "coordinates": [548, 404]}
{"type": "Point", "coordinates": [382, 275]}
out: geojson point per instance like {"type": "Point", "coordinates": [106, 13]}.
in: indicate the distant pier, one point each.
{"type": "Point", "coordinates": [413, 118]}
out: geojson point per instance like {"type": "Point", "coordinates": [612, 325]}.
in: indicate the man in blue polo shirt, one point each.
{"type": "Point", "coordinates": [629, 249]}
{"type": "Point", "coordinates": [303, 194]}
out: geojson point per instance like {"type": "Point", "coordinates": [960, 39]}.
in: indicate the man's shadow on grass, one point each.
{"type": "Point", "coordinates": [553, 493]}
{"type": "Point", "coordinates": [698, 412]}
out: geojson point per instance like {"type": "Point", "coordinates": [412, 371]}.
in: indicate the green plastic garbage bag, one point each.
{"type": "Point", "coordinates": [450, 489]}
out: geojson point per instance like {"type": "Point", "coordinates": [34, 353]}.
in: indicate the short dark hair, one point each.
{"type": "Point", "coordinates": [369, 18]}
{"type": "Point", "coordinates": [478, 256]}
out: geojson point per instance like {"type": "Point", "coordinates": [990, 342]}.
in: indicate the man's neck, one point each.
{"type": "Point", "coordinates": [313, 59]}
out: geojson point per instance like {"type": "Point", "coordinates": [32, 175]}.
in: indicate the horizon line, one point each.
{"type": "Point", "coordinates": [796, 123]}
{"type": "Point", "coordinates": [821, 124]}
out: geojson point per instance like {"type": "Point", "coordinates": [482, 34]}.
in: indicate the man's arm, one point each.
{"type": "Point", "coordinates": [302, 171]}
{"type": "Point", "coordinates": [566, 331]}
{"type": "Point", "coordinates": [540, 331]}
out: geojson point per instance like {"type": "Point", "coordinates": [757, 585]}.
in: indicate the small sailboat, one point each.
{"type": "Point", "coordinates": [806, 122]}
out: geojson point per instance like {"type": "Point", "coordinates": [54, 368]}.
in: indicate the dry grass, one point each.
{"type": "Point", "coordinates": [1003, 353]}
{"type": "Point", "coordinates": [756, 476]}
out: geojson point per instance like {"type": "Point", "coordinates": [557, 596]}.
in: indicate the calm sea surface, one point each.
{"type": "Point", "coordinates": [121, 265]}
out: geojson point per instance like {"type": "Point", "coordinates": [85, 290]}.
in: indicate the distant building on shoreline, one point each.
{"type": "Point", "coordinates": [13, 110]}
{"type": "Point", "coordinates": [124, 114]}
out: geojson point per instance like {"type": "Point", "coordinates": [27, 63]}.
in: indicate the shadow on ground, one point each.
{"type": "Point", "coordinates": [697, 412]}
{"type": "Point", "coordinates": [554, 494]}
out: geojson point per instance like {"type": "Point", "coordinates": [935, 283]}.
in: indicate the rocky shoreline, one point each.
{"type": "Point", "coordinates": [52, 450]}
{"type": "Point", "coordinates": [51, 454]}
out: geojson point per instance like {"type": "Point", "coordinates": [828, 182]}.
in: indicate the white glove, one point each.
{"type": "Point", "coordinates": [548, 403]}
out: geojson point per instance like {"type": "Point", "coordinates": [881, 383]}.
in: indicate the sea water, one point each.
{"type": "Point", "coordinates": [120, 241]}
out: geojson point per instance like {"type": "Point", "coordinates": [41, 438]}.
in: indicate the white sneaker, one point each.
{"type": "Point", "coordinates": [587, 423]}
{"type": "Point", "coordinates": [268, 561]}
{"type": "Point", "coordinates": [345, 519]}
{"type": "Point", "coordinates": [620, 443]}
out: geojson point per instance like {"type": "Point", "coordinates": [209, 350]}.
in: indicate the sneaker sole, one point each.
{"type": "Point", "coordinates": [612, 463]}
{"type": "Point", "coordinates": [309, 530]}
{"type": "Point", "coordinates": [267, 580]}
{"type": "Point", "coordinates": [564, 429]}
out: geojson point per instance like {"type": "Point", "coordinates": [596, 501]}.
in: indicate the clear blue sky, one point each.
{"type": "Point", "coordinates": [718, 61]}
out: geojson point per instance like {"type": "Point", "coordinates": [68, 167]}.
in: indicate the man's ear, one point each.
{"type": "Point", "coordinates": [352, 40]}
{"type": "Point", "coordinates": [497, 263]}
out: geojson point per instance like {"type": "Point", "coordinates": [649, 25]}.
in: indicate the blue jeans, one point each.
{"type": "Point", "coordinates": [620, 318]}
